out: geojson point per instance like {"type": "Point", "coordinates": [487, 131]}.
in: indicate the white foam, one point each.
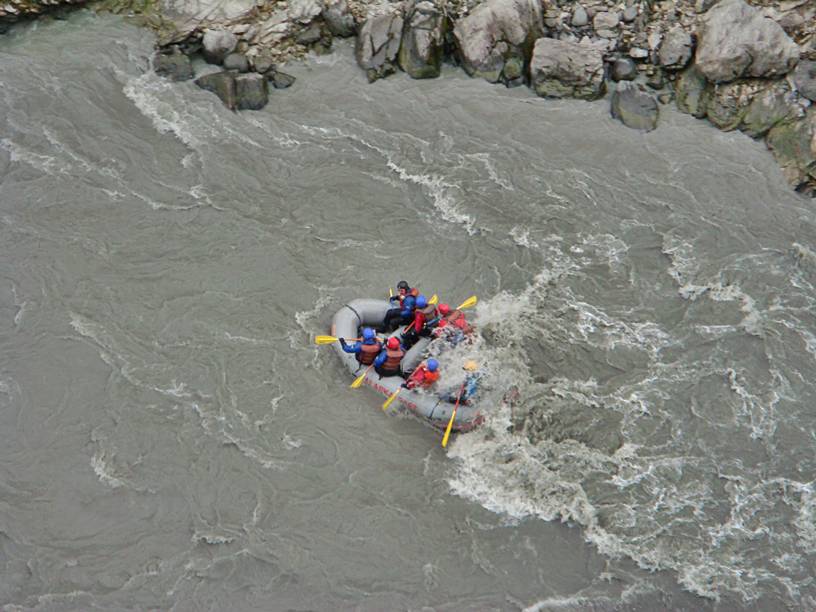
{"type": "Point", "coordinates": [104, 472]}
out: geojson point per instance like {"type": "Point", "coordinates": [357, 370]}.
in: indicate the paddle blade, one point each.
{"type": "Point", "coordinates": [453, 416]}
{"type": "Point", "coordinates": [434, 299]}
{"type": "Point", "coordinates": [390, 399]}
{"type": "Point", "coordinates": [448, 429]}
{"type": "Point", "coordinates": [468, 303]}
{"type": "Point", "coordinates": [325, 339]}
{"type": "Point", "coordinates": [390, 292]}
{"type": "Point", "coordinates": [359, 380]}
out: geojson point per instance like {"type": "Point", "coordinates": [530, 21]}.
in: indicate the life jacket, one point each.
{"type": "Point", "coordinates": [457, 318]}
{"type": "Point", "coordinates": [368, 352]}
{"type": "Point", "coordinates": [393, 357]}
{"type": "Point", "coordinates": [413, 293]}
{"type": "Point", "coordinates": [429, 311]}
{"type": "Point", "coordinates": [430, 378]}
{"type": "Point", "coordinates": [423, 377]}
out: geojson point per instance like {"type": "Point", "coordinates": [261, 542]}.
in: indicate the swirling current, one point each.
{"type": "Point", "coordinates": [171, 438]}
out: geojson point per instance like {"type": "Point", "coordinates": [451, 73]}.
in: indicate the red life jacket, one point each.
{"type": "Point", "coordinates": [423, 377]}
{"type": "Point", "coordinates": [393, 357]}
{"type": "Point", "coordinates": [457, 318]}
{"type": "Point", "coordinates": [368, 352]}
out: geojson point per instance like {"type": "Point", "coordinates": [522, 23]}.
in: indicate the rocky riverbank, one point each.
{"type": "Point", "coordinates": [742, 65]}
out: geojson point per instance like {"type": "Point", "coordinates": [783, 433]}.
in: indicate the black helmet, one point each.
{"type": "Point", "coordinates": [403, 285]}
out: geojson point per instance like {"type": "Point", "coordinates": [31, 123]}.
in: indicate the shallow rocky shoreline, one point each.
{"type": "Point", "coordinates": [742, 65]}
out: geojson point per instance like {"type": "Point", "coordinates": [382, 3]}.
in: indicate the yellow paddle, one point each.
{"type": "Point", "coordinates": [325, 339]}
{"type": "Point", "coordinates": [471, 301]}
{"type": "Point", "coordinates": [390, 292]}
{"type": "Point", "coordinates": [453, 416]}
{"type": "Point", "coordinates": [359, 380]}
{"type": "Point", "coordinates": [391, 398]}
{"type": "Point", "coordinates": [434, 299]}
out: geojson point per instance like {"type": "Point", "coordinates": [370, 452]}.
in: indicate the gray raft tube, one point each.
{"type": "Point", "coordinates": [348, 323]}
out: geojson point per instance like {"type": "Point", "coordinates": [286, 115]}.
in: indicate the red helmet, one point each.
{"type": "Point", "coordinates": [443, 309]}
{"type": "Point", "coordinates": [393, 343]}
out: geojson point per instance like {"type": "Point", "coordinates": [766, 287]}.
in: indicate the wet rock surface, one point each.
{"type": "Point", "coordinates": [565, 69]}
{"type": "Point", "coordinates": [378, 44]}
{"type": "Point", "coordinates": [634, 107]}
{"type": "Point", "coordinates": [494, 32]}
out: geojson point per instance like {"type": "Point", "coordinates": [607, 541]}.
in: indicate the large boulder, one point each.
{"type": "Point", "coordinates": [378, 44]}
{"type": "Point", "coordinates": [768, 109]}
{"type": "Point", "coordinates": [280, 80]}
{"type": "Point", "coordinates": [222, 84]}
{"type": "Point", "coordinates": [237, 62]}
{"type": "Point", "coordinates": [423, 40]}
{"type": "Point", "coordinates": [634, 108]}
{"type": "Point", "coordinates": [737, 40]}
{"type": "Point", "coordinates": [338, 18]}
{"type": "Point", "coordinates": [496, 31]}
{"type": "Point", "coordinates": [251, 91]}
{"type": "Point", "coordinates": [562, 69]}
{"type": "Point", "coordinates": [793, 144]}
{"type": "Point", "coordinates": [675, 50]}
{"type": "Point", "coordinates": [174, 66]}
{"type": "Point", "coordinates": [691, 92]}
{"type": "Point", "coordinates": [727, 103]}
{"type": "Point", "coordinates": [805, 79]}
{"type": "Point", "coordinates": [217, 44]}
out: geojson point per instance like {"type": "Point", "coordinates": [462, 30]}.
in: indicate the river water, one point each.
{"type": "Point", "coordinates": [171, 438]}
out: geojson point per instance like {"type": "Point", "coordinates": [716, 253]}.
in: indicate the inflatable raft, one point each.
{"type": "Point", "coordinates": [348, 323]}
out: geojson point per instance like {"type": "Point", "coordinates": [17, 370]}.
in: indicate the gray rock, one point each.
{"type": "Point", "coordinates": [263, 63]}
{"type": "Point", "coordinates": [736, 40]}
{"type": "Point", "coordinates": [638, 53]}
{"type": "Point", "coordinates": [563, 69]}
{"type": "Point", "coordinates": [175, 66]}
{"type": "Point", "coordinates": [791, 21]}
{"type": "Point", "coordinates": [792, 145]}
{"type": "Point", "coordinates": [691, 92]}
{"type": "Point", "coordinates": [495, 31]}
{"type": "Point", "coordinates": [423, 40]}
{"type": "Point", "coordinates": [676, 48]}
{"type": "Point", "coordinates": [665, 98]}
{"type": "Point", "coordinates": [222, 84]}
{"type": "Point", "coordinates": [768, 109]}
{"type": "Point", "coordinates": [251, 91]}
{"type": "Point", "coordinates": [656, 80]}
{"type": "Point", "coordinates": [623, 69]}
{"type": "Point", "coordinates": [280, 80]}
{"type": "Point", "coordinates": [217, 44]}
{"type": "Point", "coordinates": [303, 11]}
{"type": "Point", "coordinates": [338, 18]}
{"type": "Point", "coordinates": [378, 44]}
{"type": "Point", "coordinates": [513, 73]}
{"type": "Point", "coordinates": [804, 77]}
{"type": "Point", "coordinates": [309, 36]}
{"type": "Point", "coordinates": [237, 62]}
{"type": "Point", "coordinates": [727, 103]}
{"type": "Point", "coordinates": [605, 21]}
{"type": "Point", "coordinates": [701, 6]}
{"type": "Point", "coordinates": [630, 14]}
{"type": "Point", "coordinates": [579, 17]}
{"type": "Point", "coordinates": [634, 108]}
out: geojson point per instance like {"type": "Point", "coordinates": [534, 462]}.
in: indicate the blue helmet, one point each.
{"type": "Point", "coordinates": [368, 333]}
{"type": "Point", "coordinates": [422, 301]}
{"type": "Point", "coordinates": [433, 364]}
